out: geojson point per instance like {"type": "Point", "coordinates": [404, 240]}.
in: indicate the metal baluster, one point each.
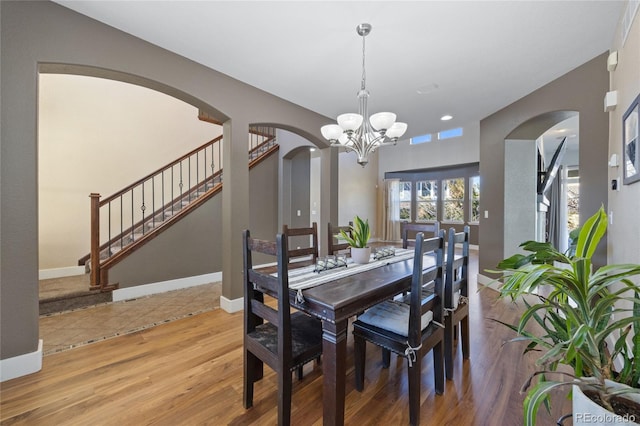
{"type": "Point", "coordinates": [133, 233]}
{"type": "Point", "coordinates": [143, 208]}
{"type": "Point", "coordinates": [172, 197]}
{"type": "Point", "coordinates": [109, 232]}
{"type": "Point", "coordinates": [121, 229]}
{"type": "Point", "coordinates": [189, 181]}
{"type": "Point", "coordinates": [213, 164]}
{"type": "Point", "coordinates": [153, 203]}
{"type": "Point", "coordinates": [162, 186]}
{"type": "Point", "coordinates": [220, 161]}
{"type": "Point", "coordinates": [181, 182]}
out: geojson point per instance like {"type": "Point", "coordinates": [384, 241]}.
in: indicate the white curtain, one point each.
{"type": "Point", "coordinates": [391, 211]}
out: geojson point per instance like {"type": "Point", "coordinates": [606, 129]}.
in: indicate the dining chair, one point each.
{"type": "Point", "coordinates": [408, 231]}
{"type": "Point", "coordinates": [410, 331]}
{"type": "Point", "coordinates": [283, 340]}
{"type": "Point", "coordinates": [335, 246]}
{"type": "Point", "coordinates": [456, 297]}
{"type": "Point", "coordinates": [306, 251]}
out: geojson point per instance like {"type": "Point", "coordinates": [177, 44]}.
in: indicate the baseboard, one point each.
{"type": "Point", "coordinates": [21, 365]}
{"type": "Point", "coordinates": [488, 282]}
{"type": "Point", "coordinates": [70, 271]}
{"type": "Point", "coordinates": [163, 286]}
{"type": "Point", "coordinates": [231, 306]}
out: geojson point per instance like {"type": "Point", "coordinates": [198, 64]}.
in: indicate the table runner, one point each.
{"type": "Point", "coordinates": [303, 278]}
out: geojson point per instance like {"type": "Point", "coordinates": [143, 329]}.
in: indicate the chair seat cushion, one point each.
{"type": "Point", "coordinates": [306, 337]}
{"type": "Point", "coordinates": [393, 316]}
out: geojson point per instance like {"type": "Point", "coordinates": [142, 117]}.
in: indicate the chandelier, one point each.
{"type": "Point", "coordinates": [359, 132]}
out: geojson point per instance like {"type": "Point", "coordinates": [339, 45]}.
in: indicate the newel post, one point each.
{"type": "Point", "coordinates": [95, 241]}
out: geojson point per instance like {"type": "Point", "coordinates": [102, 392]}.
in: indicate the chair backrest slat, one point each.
{"type": "Point", "coordinates": [310, 247]}
{"type": "Point", "coordinates": [335, 245]}
{"type": "Point", "coordinates": [409, 230]}
{"type": "Point", "coordinates": [265, 312]}
{"type": "Point", "coordinates": [265, 281]}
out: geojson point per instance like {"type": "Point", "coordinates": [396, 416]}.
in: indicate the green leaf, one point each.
{"type": "Point", "coordinates": [360, 233]}
{"type": "Point", "coordinates": [538, 394]}
{"type": "Point", "coordinates": [591, 233]}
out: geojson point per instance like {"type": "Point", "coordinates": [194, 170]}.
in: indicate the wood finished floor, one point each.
{"type": "Point", "coordinates": [189, 372]}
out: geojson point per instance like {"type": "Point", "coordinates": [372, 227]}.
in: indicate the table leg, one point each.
{"type": "Point", "coordinates": [334, 354]}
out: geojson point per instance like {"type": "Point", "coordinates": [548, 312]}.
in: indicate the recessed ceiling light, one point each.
{"type": "Point", "coordinates": [446, 117]}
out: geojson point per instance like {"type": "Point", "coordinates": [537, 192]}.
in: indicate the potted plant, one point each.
{"type": "Point", "coordinates": [358, 240]}
{"type": "Point", "coordinates": [589, 320]}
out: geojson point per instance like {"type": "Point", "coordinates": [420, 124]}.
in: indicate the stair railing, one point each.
{"type": "Point", "coordinates": [136, 211]}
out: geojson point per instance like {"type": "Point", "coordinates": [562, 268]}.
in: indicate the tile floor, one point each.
{"type": "Point", "coordinates": [67, 330]}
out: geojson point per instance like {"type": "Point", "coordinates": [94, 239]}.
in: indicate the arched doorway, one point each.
{"type": "Point", "coordinates": [540, 179]}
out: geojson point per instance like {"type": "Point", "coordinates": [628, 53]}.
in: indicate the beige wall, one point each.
{"type": "Point", "coordinates": [99, 135]}
{"type": "Point", "coordinates": [357, 190]}
{"type": "Point", "coordinates": [624, 205]}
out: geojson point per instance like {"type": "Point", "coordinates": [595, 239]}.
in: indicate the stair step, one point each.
{"type": "Point", "coordinates": [73, 301]}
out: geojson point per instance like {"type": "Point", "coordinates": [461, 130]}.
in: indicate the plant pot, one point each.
{"type": "Point", "coordinates": [587, 412]}
{"type": "Point", "coordinates": [361, 255]}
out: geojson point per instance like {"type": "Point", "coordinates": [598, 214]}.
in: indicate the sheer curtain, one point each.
{"type": "Point", "coordinates": [391, 211]}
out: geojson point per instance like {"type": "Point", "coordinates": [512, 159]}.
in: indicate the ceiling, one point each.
{"type": "Point", "coordinates": [424, 59]}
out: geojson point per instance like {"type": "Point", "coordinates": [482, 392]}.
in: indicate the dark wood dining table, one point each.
{"type": "Point", "coordinates": [334, 302]}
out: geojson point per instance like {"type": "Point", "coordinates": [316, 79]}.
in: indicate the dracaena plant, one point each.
{"type": "Point", "coordinates": [587, 320]}
{"type": "Point", "coordinates": [360, 233]}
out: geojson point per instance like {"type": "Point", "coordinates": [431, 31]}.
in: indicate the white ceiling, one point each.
{"type": "Point", "coordinates": [424, 58]}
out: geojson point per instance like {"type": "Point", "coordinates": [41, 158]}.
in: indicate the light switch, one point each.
{"type": "Point", "coordinates": [486, 214]}
{"type": "Point", "coordinates": [299, 214]}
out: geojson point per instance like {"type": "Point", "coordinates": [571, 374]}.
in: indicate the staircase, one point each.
{"type": "Point", "coordinates": [126, 220]}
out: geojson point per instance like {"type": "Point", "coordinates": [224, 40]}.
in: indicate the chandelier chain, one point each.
{"type": "Point", "coordinates": [364, 72]}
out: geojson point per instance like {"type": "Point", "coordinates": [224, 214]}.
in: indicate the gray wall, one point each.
{"type": "Point", "coordinates": [45, 37]}
{"type": "Point", "coordinates": [581, 90]}
{"type": "Point", "coordinates": [189, 247]}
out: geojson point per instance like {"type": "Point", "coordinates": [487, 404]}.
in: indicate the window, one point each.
{"type": "Point", "coordinates": [421, 139]}
{"type": "Point", "coordinates": [426, 200]}
{"type": "Point", "coordinates": [453, 200]}
{"type": "Point", "coordinates": [405, 201]}
{"type": "Point", "coordinates": [474, 198]}
{"type": "Point", "coordinates": [451, 133]}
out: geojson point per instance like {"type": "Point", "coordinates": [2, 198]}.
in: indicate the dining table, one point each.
{"type": "Point", "coordinates": [335, 296]}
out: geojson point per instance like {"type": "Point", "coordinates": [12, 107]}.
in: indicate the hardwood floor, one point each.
{"type": "Point", "coordinates": [189, 372]}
